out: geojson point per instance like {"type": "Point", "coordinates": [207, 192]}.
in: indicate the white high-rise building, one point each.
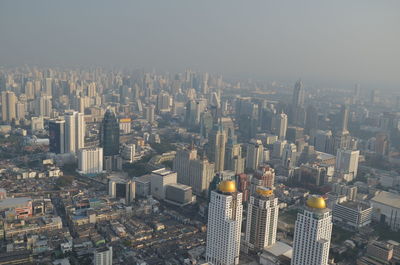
{"type": "Point", "coordinates": [280, 125]}
{"type": "Point", "coordinates": [262, 220]}
{"type": "Point", "coordinates": [347, 164]}
{"type": "Point", "coordinates": [255, 152]}
{"type": "Point", "coordinates": [90, 160]}
{"type": "Point", "coordinates": [224, 225]}
{"type": "Point", "coordinates": [103, 256]}
{"type": "Point", "coordinates": [312, 233]}
{"type": "Point", "coordinates": [74, 131]}
{"type": "Point", "coordinates": [43, 106]}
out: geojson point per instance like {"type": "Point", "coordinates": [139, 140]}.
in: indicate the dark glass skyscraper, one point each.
{"type": "Point", "coordinates": [56, 136]}
{"type": "Point", "coordinates": [110, 134]}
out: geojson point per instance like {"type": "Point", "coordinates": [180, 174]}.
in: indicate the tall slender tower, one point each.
{"type": "Point", "coordinates": [110, 134]}
{"type": "Point", "coordinates": [298, 94]}
{"type": "Point", "coordinates": [280, 125]}
{"type": "Point", "coordinates": [8, 103]}
{"type": "Point", "coordinates": [312, 233]}
{"type": "Point", "coordinates": [262, 220]}
{"type": "Point", "coordinates": [216, 147]}
{"type": "Point", "coordinates": [74, 131]}
{"type": "Point", "coordinates": [224, 225]}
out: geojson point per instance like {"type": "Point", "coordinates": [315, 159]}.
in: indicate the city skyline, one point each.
{"type": "Point", "coordinates": [332, 44]}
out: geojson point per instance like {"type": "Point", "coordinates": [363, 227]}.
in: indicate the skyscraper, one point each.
{"type": "Point", "coordinates": [312, 233]}
{"type": "Point", "coordinates": [280, 125]}
{"type": "Point", "coordinates": [224, 225]}
{"type": "Point", "coordinates": [181, 164]}
{"type": "Point", "coordinates": [255, 151]}
{"type": "Point", "coordinates": [74, 131]}
{"type": "Point", "coordinates": [57, 136]}
{"type": "Point", "coordinates": [298, 94]}
{"type": "Point", "coordinates": [347, 164]}
{"type": "Point", "coordinates": [262, 220]}
{"type": "Point", "coordinates": [109, 139]}
{"type": "Point", "coordinates": [8, 103]}
{"type": "Point", "coordinates": [216, 147]}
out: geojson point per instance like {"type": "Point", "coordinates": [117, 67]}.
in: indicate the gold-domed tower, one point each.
{"type": "Point", "coordinates": [316, 202]}
{"type": "Point", "coordinates": [227, 186]}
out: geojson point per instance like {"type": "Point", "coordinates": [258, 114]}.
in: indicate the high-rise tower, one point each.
{"type": "Point", "coordinates": [110, 134]}
{"type": "Point", "coordinates": [74, 131]}
{"type": "Point", "coordinates": [312, 233]}
{"type": "Point", "coordinates": [8, 103]}
{"type": "Point", "coordinates": [216, 147]}
{"type": "Point", "coordinates": [57, 136]}
{"type": "Point", "coordinates": [224, 225]}
{"type": "Point", "coordinates": [262, 220]}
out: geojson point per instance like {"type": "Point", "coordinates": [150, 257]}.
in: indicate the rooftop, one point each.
{"type": "Point", "coordinates": [387, 198]}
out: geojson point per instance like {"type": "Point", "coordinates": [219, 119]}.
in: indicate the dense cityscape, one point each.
{"type": "Point", "coordinates": [207, 132]}
{"type": "Point", "coordinates": [117, 167]}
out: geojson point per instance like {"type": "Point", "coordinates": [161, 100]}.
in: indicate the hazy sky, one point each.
{"type": "Point", "coordinates": [334, 42]}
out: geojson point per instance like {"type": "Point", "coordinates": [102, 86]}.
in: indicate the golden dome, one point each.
{"type": "Point", "coordinates": [227, 186]}
{"type": "Point", "coordinates": [263, 191]}
{"type": "Point", "coordinates": [316, 201]}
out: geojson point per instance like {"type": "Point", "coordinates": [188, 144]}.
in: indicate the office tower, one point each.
{"type": "Point", "coordinates": [289, 155]}
{"type": "Point", "coordinates": [91, 90]}
{"type": "Point", "coordinates": [201, 174]}
{"type": "Point", "coordinates": [298, 112]}
{"type": "Point", "coordinates": [83, 103]}
{"type": "Point", "coordinates": [20, 111]}
{"type": "Point", "coordinates": [255, 152]}
{"type": "Point", "coordinates": [163, 102]}
{"type": "Point", "coordinates": [90, 160]}
{"type": "Point", "coordinates": [342, 189]}
{"type": "Point", "coordinates": [262, 220]}
{"type": "Point", "coordinates": [224, 225]}
{"type": "Point", "coordinates": [344, 118]}
{"type": "Point", "coordinates": [233, 155]}
{"type": "Point", "coordinates": [109, 139]}
{"type": "Point", "coordinates": [103, 256]}
{"type": "Point", "coordinates": [216, 147]}
{"type": "Point", "coordinates": [181, 164]}
{"type": "Point", "coordinates": [48, 86]}
{"type": "Point", "coordinates": [312, 233]}
{"type": "Point", "coordinates": [8, 102]}
{"type": "Point", "coordinates": [298, 94]}
{"type": "Point", "coordinates": [280, 125]}
{"type": "Point", "coordinates": [278, 149]}
{"type": "Point", "coordinates": [311, 119]}
{"type": "Point", "coordinates": [323, 141]}
{"type": "Point", "coordinates": [382, 143]}
{"type": "Point", "coordinates": [128, 152]}
{"type": "Point", "coordinates": [357, 92]}
{"type": "Point", "coordinates": [74, 131]}
{"type": "Point", "coordinates": [264, 176]}
{"type": "Point", "coordinates": [37, 124]}
{"type": "Point", "coordinates": [29, 90]}
{"type": "Point", "coordinates": [160, 178]}
{"type": "Point", "coordinates": [206, 123]}
{"type": "Point", "coordinates": [149, 113]}
{"type": "Point", "coordinates": [341, 140]}
{"type": "Point", "coordinates": [57, 136]}
{"type": "Point", "coordinates": [347, 164]}
{"type": "Point", "coordinates": [122, 189]}
{"type": "Point", "coordinates": [294, 133]}
{"type": "Point", "coordinates": [43, 106]}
